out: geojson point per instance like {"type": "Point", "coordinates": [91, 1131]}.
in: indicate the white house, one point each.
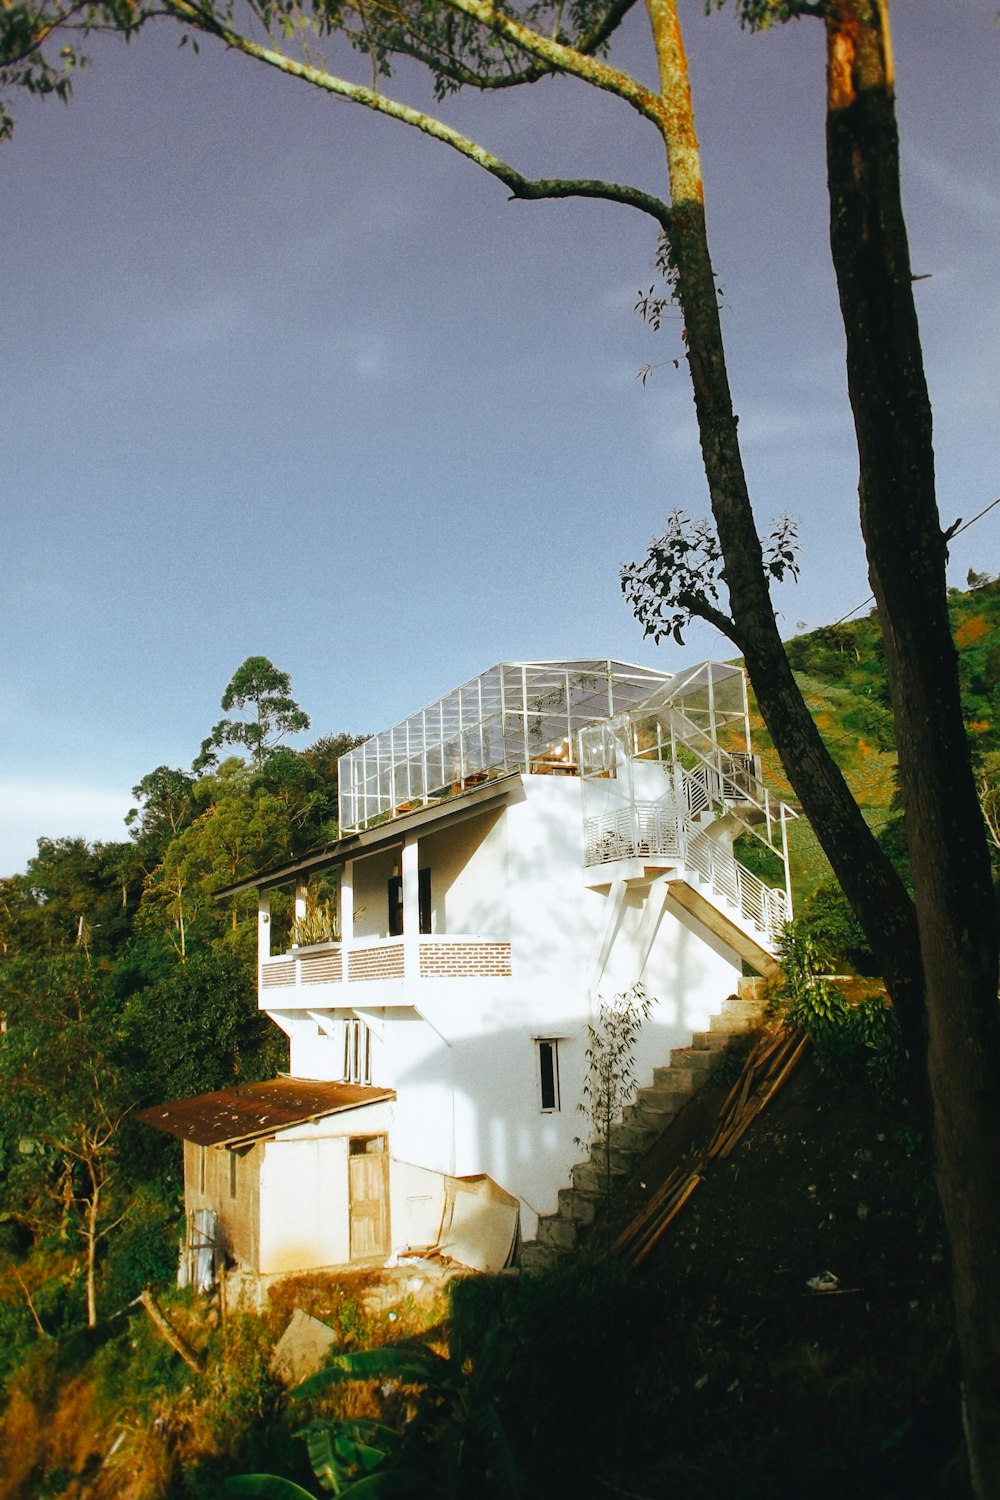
{"type": "Point", "coordinates": [542, 837]}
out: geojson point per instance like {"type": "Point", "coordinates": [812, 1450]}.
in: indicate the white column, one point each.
{"type": "Point", "coordinates": [408, 869]}
{"type": "Point", "coordinates": [300, 901]}
{"type": "Point", "coordinates": [263, 926]}
{"type": "Point", "coordinates": [347, 902]}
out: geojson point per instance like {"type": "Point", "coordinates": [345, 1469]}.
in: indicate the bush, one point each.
{"type": "Point", "coordinates": [142, 1251]}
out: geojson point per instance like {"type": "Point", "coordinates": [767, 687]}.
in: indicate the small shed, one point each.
{"type": "Point", "coordinates": [295, 1171]}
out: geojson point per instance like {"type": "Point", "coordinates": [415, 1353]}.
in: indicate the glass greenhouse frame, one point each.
{"type": "Point", "coordinates": [517, 716]}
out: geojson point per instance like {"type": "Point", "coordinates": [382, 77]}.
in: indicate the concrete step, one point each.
{"type": "Point", "coordinates": [578, 1206]}
{"type": "Point", "coordinates": [691, 1059]}
{"type": "Point", "coordinates": [590, 1178]}
{"type": "Point", "coordinates": [633, 1136]}
{"type": "Point", "coordinates": [534, 1257]}
{"type": "Point", "coordinates": [556, 1233]}
{"type": "Point", "coordinates": [745, 1009]}
{"type": "Point", "coordinates": [623, 1159]}
{"type": "Point", "coordinates": [731, 1025]}
{"type": "Point", "coordinates": [653, 1120]}
{"type": "Point", "coordinates": [681, 1080]}
{"type": "Point", "coordinates": [666, 1097]}
{"type": "Point", "coordinates": [712, 1041]}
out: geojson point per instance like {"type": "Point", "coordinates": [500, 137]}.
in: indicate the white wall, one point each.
{"type": "Point", "coordinates": [468, 865]}
{"type": "Point", "coordinates": [304, 1207]}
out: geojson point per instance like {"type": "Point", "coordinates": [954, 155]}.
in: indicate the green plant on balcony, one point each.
{"type": "Point", "coordinates": [318, 924]}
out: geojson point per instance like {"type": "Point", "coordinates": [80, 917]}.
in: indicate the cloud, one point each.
{"type": "Point", "coordinates": [55, 809]}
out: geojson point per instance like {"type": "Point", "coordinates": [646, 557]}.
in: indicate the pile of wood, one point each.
{"type": "Point", "coordinates": [771, 1060]}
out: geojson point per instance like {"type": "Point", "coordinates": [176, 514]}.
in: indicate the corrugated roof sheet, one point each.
{"type": "Point", "coordinates": [251, 1110]}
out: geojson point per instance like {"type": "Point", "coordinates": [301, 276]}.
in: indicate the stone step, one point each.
{"type": "Point", "coordinates": [653, 1120]}
{"type": "Point", "coordinates": [692, 1059]}
{"type": "Point", "coordinates": [748, 1009]}
{"type": "Point", "coordinates": [633, 1135]}
{"type": "Point", "coordinates": [578, 1206]}
{"type": "Point", "coordinates": [711, 1041]}
{"type": "Point", "coordinates": [732, 1025]}
{"type": "Point", "coordinates": [556, 1233]}
{"type": "Point", "coordinates": [665, 1098]}
{"type": "Point", "coordinates": [587, 1176]}
{"type": "Point", "coordinates": [681, 1080]}
{"type": "Point", "coordinates": [534, 1257]}
{"type": "Point", "coordinates": [623, 1160]}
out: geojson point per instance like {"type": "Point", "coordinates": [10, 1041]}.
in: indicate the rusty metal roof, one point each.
{"type": "Point", "coordinates": [252, 1110]}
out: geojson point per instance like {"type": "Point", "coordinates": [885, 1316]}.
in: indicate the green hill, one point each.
{"type": "Point", "coordinates": [841, 671]}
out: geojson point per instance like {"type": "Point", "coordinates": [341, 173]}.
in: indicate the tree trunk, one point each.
{"type": "Point", "coordinates": [869, 881]}
{"type": "Point", "coordinates": [949, 857]}
{"type": "Point", "coordinates": [90, 1234]}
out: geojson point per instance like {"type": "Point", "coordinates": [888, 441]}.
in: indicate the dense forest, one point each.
{"type": "Point", "coordinates": [124, 983]}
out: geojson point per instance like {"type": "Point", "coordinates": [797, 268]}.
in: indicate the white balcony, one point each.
{"type": "Point", "coordinates": [378, 971]}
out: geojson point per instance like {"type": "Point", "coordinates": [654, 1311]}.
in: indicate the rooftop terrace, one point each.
{"type": "Point", "coordinates": [517, 716]}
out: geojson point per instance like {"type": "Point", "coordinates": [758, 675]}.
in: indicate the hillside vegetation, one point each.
{"type": "Point", "coordinates": [717, 1372]}
{"type": "Point", "coordinates": [841, 670]}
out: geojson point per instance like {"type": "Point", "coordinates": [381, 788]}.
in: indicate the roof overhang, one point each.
{"type": "Point", "coordinates": [252, 1111]}
{"type": "Point", "coordinates": [449, 810]}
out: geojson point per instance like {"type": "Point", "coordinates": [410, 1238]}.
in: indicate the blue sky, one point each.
{"type": "Point", "coordinates": [284, 378]}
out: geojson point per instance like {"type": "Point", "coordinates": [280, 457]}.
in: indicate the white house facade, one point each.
{"type": "Point", "coordinates": [545, 837]}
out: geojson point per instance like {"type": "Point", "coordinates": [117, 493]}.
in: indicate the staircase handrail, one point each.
{"type": "Point", "coordinates": [725, 766]}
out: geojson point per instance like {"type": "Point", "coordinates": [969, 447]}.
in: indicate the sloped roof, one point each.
{"type": "Point", "coordinates": [251, 1110]}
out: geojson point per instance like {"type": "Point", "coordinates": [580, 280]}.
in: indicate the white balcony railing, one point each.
{"type": "Point", "coordinates": [387, 961]}
{"type": "Point", "coordinates": [657, 829]}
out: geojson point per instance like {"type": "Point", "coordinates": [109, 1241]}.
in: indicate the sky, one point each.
{"type": "Point", "coordinates": [284, 378]}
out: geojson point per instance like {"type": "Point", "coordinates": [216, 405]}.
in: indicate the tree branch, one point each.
{"type": "Point", "coordinates": [520, 186]}
{"type": "Point", "coordinates": [461, 74]}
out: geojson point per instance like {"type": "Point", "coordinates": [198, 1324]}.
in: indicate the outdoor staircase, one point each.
{"type": "Point", "coordinates": [642, 1123]}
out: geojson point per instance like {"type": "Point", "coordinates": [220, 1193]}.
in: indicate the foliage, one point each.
{"type": "Point", "coordinates": [828, 921]}
{"type": "Point", "coordinates": [166, 806]}
{"type": "Point", "coordinates": [680, 577]}
{"type": "Point", "coordinates": [849, 1038]}
{"type": "Point", "coordinates": [318, 924]}
{"type": "Point", "coordinates": [449, 1443]}
{"type": "Point", "coordinates": [610, 1081]}
{"type": "Point", "coordinates": [143, 1250]}
{"type": "Point", "coordinates": [274, 713]}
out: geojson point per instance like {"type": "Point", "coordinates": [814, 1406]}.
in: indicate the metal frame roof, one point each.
{"type": "Point", "coordinates": [253, 1111]}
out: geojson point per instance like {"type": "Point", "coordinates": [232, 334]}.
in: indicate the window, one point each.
{"type": "Point", "coordinates": [357, 1052]}
{"type": "Point", "coordinates": [548, 1074]}
{"type": "Point", "coordinates": [202, 1152]}
{"type": "Point", "coordinates": [232, 1174]}
{"type": "Point", "coordinates": [423, 903]}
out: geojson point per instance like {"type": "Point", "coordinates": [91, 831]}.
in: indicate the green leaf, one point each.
{"type": "Point", "coordinates": [412, 1364]}
{"type": "Point", "coordinates": [266, 1487]}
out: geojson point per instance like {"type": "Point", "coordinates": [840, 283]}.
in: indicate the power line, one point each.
{"type": "Point", "coordinates": [957, 532]}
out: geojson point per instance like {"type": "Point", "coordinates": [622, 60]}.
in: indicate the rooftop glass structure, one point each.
{"type": "Point", "coordinates": [518, 716]}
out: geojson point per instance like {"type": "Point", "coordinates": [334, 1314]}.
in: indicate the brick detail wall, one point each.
{"type": "Point", "coordinates": [375, 963]}
{"type": "Point", "coordinates": [274, 976]}
{"type": "Point", "coordinates": [465, 960]}
{"type": "Point", "coordinates": [321, 968]}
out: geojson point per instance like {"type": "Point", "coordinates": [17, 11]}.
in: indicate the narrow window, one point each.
{"type": "Point", "coordinates": [548, 1074]}
{"type": "Point", "coordinates": [202, 1151]}
{"type": "Point", "coordinates": [357, 1052]}
{"type": "Point", "coordinates": [232, 1174]}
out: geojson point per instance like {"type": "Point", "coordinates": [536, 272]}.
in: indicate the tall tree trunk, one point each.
{"type": "Point", "coordinates": [871, 884]}
{"type": "Point", "coordinates": [949, 857]}
{"type": "Point", "coordinates": [90, 1236]}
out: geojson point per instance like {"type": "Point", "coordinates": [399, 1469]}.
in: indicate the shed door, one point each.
{"type": "Point", "coordinates": [368, 1169]}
